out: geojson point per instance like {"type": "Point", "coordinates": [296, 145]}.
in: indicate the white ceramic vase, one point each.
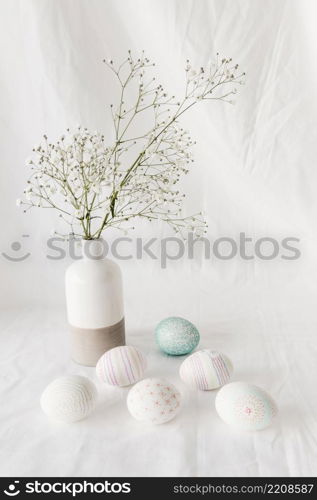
{"type": "Point", "coordinates": [94, 300]}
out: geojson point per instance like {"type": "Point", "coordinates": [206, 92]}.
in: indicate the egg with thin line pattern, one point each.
{"type": "Point", "coordinates": [206, 370]}
{"type": "Point", "coordinates": [121, 366]}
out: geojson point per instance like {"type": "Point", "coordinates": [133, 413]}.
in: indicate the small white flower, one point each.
{"type": "Point", "coordinates": [96, 188]}
{"type": "Point", "coordinates": [18, 202]}
{"type": "Point", "coordinates": [94, 178]}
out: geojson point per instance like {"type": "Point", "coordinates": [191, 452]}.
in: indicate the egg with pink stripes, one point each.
{"type": "Point", "coordinates": [121, 366]}
{"type": "Point", "coordinates": [206, 370]}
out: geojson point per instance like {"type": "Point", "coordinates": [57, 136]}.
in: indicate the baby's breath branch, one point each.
{"type": "Point", "coordinates": [95, 186]}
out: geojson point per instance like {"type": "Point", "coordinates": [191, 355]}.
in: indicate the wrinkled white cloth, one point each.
{"type": "Point", "coordinates": [266, 349]}
{"type": "Point", "coordinates": [254, 172]}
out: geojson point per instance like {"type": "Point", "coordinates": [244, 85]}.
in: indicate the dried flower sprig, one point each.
{"type": "Point", "coordinates": [95, 186]}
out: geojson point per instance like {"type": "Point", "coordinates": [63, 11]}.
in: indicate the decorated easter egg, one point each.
{"type": "Point", "coordinates": [206, 370]}
{"type": "Point", "coordinates": [245, 406]}
{"type": "Point", "coordinates": [176, 336]}
{"type": "Point", "coordinates": [123, 365]}
{"type": "Point", "coordinates": [154, 400]}
{"type": "Point", "coordinates": [69, 398]}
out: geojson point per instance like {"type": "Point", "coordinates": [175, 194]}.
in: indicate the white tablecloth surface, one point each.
{"type": "Point", "coordinates": [265, 348]}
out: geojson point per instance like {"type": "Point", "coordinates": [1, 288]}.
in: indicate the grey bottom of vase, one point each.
{"type": "Point", "coordinates": [89, 344]}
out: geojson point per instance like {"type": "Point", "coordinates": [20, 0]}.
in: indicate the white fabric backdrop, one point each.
{"type": "Point", "coordinates": [254, 172]}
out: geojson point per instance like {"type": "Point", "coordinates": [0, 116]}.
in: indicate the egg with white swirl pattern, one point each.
{"type": "Point", "coordinates": [69, 398]}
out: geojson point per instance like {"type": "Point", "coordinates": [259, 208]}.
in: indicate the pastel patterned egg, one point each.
{"type": "Point", "coordinates": [69, 398]}
{"type": "Point", "coordinates": [154, 400]}
{"type": "Point", "coordinates": [245, 406]}
{"type": "Point", "coordinates": [176, 336]}
{"type": "Point", "coordinates": [121, 366]}
{"type": "Point", "coordinates": [206, 370]}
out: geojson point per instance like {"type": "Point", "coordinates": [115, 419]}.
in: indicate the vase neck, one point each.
{"type": "Point", "coordinates": [93, 249]}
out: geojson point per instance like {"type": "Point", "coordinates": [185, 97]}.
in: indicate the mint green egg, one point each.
{"type": "Point", "coordinates": [176, 336]}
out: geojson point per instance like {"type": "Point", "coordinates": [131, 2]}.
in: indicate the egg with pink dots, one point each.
{"type": "Point", "coordinates": [154, 400]}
